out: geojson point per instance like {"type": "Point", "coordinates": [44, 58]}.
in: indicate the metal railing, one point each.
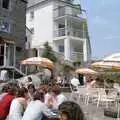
{"type": "Point", "coordinates": [76, 56]}
{"type": "Point", "coordinates": [59, 33]}
{"type": "Point", "coordinates": [71, 32]}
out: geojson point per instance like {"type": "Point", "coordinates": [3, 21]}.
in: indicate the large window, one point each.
{"type": "Point", "coordinates": [5, 4]}
{"type": "Point", "coordinates": [61, 48]}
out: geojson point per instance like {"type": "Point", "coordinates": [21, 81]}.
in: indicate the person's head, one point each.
{"type": "Point", "coordinates": [70, 111]}
{"type": "Point", "coordinates": [49, 89]}
{"type": "Point", "coordinates": [5, 88]}
{"type": "Point", "coordinates": [38, 96]}
{"type": "Point", "coordinates": [56, 91]}
{"type": "Point", "coordinates": [43, 88]}
{"type": "Point", "coordinates": [31, 88]}
{"type": "Point", "coordinates": [11, 89]}
{"type": "Point", "coordinates": [22, 92]}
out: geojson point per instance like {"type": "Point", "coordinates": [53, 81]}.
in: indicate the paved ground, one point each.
{"type": "Point", "coordinates": [92, 112]}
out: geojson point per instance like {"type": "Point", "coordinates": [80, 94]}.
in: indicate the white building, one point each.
{"type": "Point", "coordinates": [61, 24]}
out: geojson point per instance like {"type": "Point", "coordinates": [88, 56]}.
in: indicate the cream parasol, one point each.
{"type": "Point", "coordinates": [85, 71]}
{"type": "Point", "coordinates": [115, 57]}
{"type": "Point", "coordinates": [43, 62]}
{"type": "Point", "coordinates": [110, 65]}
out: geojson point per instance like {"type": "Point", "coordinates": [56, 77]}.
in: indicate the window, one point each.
{"type": "Point", "coordinates": [5, 4]}
{"type": "Point", "coordinates": [31, 15]}
{"type": "Point", "coordinates": [61, 48]}
{"type": "Point", "coordinates": [4, 26]}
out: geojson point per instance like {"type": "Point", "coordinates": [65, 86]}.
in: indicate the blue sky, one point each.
{"type": "Point", "coordinates": [104, 26]}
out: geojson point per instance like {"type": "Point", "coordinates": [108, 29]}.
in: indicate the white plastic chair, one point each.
{"type": "Point", "coordinates": [92, 94]}
{"type": "Point", "coordinates": [74, 92]}
{"type": "Point", "coordinates": [104, 98]}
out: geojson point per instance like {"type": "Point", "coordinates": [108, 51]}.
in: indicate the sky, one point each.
{"type": "Point", "coordinates": [103, 26]}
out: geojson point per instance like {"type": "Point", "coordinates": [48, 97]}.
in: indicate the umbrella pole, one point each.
{"type": "Point", "coordinates": [26, 70]}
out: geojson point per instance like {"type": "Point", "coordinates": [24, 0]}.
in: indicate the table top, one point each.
{"type": "Point", "coordinates": [51, 115]}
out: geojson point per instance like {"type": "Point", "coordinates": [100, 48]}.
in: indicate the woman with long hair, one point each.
{"type": "Point", "coordinates": [18, 105]}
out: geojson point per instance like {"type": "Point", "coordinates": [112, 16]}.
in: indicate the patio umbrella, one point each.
{"type": "Point", "coordinates": [108, 65]}
{"type": "Point", "coordinates": [43, 62]}
{"type": "Point", "coordinates": [35, 80]}
{"type": "Point", "coordinates": [85, 71]}
{"type": "Point", "coordinates": [113, 57]}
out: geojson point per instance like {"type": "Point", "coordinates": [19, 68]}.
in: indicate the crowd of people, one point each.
{"type": "Point", "coordinates": [28, 103]}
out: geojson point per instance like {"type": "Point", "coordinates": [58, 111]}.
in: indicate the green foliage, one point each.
{"type": "Point", "coordinates": [48, 52]}
{"type": "Point", "coordinates": [77, 63]}
{"type": "Point", "coordinates": [66, 68]}
{"type": "Point", "coordinates": [111, 77]}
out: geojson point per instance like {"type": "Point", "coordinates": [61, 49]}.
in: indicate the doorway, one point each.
{"type": "Point", "coordinates": [1, 55]}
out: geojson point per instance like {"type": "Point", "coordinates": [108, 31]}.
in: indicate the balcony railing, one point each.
{"type": "Point", "coordinates": [59, 33]}
{"type": "Point", "coordinates": [77, 56]}
{"type": "Point", "coordinates": [71, 32]}
{"type": "Point", "coordinates": [67, 10]}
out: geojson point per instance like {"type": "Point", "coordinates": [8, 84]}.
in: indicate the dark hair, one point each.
{"type": "Point", "coordinates": [21, 92]}
{"type": "Point", "coordinates": [72, 110]}
{"type": "Point", "coordinates": [5, 88]}
{"type": "Point", "coordinates": [56, 90]}
{"type": "Point", "coordinates": [11, 88]}
{"type": "Point", "coordinates": [38, 96]}
{"type": "Point", "coordinates": [31, 86]}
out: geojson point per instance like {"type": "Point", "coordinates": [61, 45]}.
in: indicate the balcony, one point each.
{"type": "Point", "coordinates": [67, 10]}
{"type": "Point", "coordinates": [71, 32]}
{"type": "Point", "coordinates": [77, 56]}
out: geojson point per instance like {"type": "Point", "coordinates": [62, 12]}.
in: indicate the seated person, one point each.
{"type": "Point", "coordinates": [56, 98]}
{"type": "Point", "coordinates": [70, 111]}
{"type": "Point", "coordinates": [35, 108]}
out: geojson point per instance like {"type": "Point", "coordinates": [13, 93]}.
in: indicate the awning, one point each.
{"type": "Point", "coordinates": [4, 39]}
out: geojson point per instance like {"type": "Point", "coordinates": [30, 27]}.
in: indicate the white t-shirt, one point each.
{"type": "Point", "coordinates": [58, 100]}
{"type": "Point", "coordinates": [34, 110]}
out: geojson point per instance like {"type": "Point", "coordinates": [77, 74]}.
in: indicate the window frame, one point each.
{"type": "Point", "coordinates": [61, 48]}
{"type": "Point", "coordinates": [4, 7]}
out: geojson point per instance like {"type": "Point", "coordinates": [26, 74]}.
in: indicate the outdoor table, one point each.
{"type": "Point", "coordinates": [51, 115]}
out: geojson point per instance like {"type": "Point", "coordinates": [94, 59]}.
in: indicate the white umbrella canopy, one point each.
{"type": "Point", "coordinates": [85, 71]}
{"type": "Point", "coordinates": [112, 57]}
{"type": "Point", "coordinates": [43, 62]}
{"type": "Point", "coordinates": [35, 80]}
{"type": "Point", "coordinates": [110, 65]}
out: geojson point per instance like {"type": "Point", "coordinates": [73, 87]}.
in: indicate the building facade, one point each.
{"type": "Point", "coordinates": [12, 32]}
{"type": "Point", "coordinates": [59, 22]}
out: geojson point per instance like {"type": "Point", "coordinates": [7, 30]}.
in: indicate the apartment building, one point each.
{"type": "Point", "coordinates": [61, 23]}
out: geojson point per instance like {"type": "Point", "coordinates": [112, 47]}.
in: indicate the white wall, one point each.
{"type": "Point", "coordinates": [43, 25]}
